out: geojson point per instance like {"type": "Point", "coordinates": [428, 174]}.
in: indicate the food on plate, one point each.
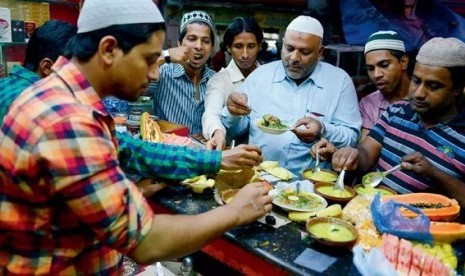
{"type": "Point", "coordinates": [265, 165]}
{"type": "Point", "coordinates": [329, 190]}
{"type": "Point", "coordinates": [334, 210]}
{"type": "Point", "coordinates": [233, 179]}
{"type": "Point", "coordinates": [332, 232]}
{"type": "Point", "coordinates": [436, 207]}
{"type": "Point", "coordinates": [447, 232]}
{"type": "Point", "coordinates": [199, 183]}
{"type": "Point", "coordinates": [272, 122]}
{"type": "Point", "coordinates": [280, 173]}
{"type": "Point", "coordinates": [228, 195]}
{"type": "Point", "coordinates": [368, 190]}
{"type": "Point", "coordinates": [320, 176]}
{"type": "Point", "coordinates": [418, 259]}
{"type": "Point", "coordinates": [149, 129]}
{"type": "Point", "coordinates": [306, 201]}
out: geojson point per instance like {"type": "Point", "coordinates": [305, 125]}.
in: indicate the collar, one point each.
{"type": "Point", "coordinates": [234, 72]}
{"type": "Point", "coordinates": [179, 71]}
{"type": "Point", "coordinates": [78, 85]}
{"type": "Point", "coordinates": [316, 76]}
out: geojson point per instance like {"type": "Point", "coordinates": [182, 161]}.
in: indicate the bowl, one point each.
{"type": "Point", "coordinates": [288, 200]}
{"type": "Point", "coordinates": [271, 130]}
{"type": "Point", "coordinates": [324, 176]}
{"type": "Point", "coordinates": [360, 189]}
{"type": "Point", "coordinates": [228, 195]}
{"type": "Point", "coordinates": [326, 191]}
{"type": "Point", "coordinates": [332, 232]}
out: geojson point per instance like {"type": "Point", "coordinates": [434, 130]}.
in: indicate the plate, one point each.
{"type": "Point", "coordinates": [307, 202]}
{"type": "Point", "coordinates": [270, 130]}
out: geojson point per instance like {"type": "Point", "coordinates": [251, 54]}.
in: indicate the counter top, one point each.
{"type": "Point", "coordinates": [277, 247]}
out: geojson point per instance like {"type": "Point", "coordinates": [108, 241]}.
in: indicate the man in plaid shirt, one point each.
{"type": "Point", "coordinates": [66, 206]}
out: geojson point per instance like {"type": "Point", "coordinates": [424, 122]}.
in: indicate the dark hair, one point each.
{"type": "Point", "coordinates": [48, 41]}
{"type": "Point", "coordinates": [456, 75]}
{"type": "Point", "coordinates": [239, 25]}
{"type": "Point", "coordinates": [83, 46]}
{"type": "Point", "coordinates": [184, 32]}
{"type": "Point", "coordinates": [398, 54]}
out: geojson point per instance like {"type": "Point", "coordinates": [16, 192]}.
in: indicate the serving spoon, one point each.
{"type": "Point", "coordinates": [374, 178]}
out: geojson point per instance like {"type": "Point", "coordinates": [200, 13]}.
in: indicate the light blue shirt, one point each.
{"type": "Point", "coordinates": [328, 91]}
{"type": "Point", "coordinates": [177, 100]}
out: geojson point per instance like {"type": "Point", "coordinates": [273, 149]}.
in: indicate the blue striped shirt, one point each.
{"type": "Point", "coordinates": [11, 86]}
{"type": "Point", "coordinates": [400, 131]}
{"type": "Point", "coordinates": [175, 96]}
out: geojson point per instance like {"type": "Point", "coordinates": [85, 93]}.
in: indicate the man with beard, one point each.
{"type": "Point", "coordinates": [386, 64]}
{"type": "Point", "coordinates": [425, 136]}
{"type": "Point", "coordinates": [318, 99]}
{"type": "Point", "coordinates": [179, 94]}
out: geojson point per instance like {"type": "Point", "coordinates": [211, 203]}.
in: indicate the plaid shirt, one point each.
{"type": "Point", "coordinates": [11, 86]}
{"type": "Point", "coordinates": [66, 205]}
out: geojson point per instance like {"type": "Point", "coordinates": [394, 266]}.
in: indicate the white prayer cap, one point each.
{"type": "Point", "coordinates": [442, 52]}
{"type": "Point", "coordinates": [306, 24]}
{"type": "Point", "coordinates": [384, 40]}
{"type": "Point", "coordinates": [99, 14]}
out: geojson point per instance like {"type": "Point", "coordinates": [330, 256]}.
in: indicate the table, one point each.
{"type": "Point", "coordinates": [344, 48]}
{"type": "Point", "coordinates": [256, 248]}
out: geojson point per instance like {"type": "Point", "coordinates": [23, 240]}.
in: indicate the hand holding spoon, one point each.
{"type": "Point", "coordinates": [374, 178]}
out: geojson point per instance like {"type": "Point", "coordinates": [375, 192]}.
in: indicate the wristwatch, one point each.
{"type": "Point", "coordinates": [166, 55]}
{"type": "Point", "coordinates": [322, 130]}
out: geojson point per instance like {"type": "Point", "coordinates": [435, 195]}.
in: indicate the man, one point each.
{"type": "Point", "coordinates": [386, 64]}
{"type": "Point", "coordinates": [179, 93]}
{"type": "Point", "coordinates": [427, 136]}
{"type": "Point", "coordinates": [67, 207]}
{"type": "Point", "coordinates": [149, 160]}
{"type": "Point", "coordinates": [316, 97]}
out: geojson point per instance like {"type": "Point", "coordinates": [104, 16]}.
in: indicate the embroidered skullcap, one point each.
{"type": "Point", "coordinates": [99, 14]}
{"type": "Point", "coordinates": [442, 52]}
{"type": "Point", "coordinates": [306, 24]}
{"type": "Point", "coordinates": [196, 16]}
{"type": "Point", "coordinates": [384, 40]}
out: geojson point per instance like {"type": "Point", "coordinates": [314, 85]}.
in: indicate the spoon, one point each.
{"type": "Point", "coordinates": [339, 185]}
{"type": "Point", "coordinates": [374, 178]}
{"type": "Point", "coordinates": [317, 162]}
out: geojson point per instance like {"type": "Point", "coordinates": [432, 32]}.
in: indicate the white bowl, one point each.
{"type": "Point", "coordinates": [270, 130]}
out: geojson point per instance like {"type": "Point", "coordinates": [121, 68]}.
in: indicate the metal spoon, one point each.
{"type": "Point", "coordinates": [374, 178]}
{"type": "Point", "coordinates": [317, 162]}
{"type": "Point", "coordinates": [339, 185]}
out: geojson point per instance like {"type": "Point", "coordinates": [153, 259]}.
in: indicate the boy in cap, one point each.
{"type": "Point", "coordinates": [425, 136]}
{"type": "Point", "coordinates": [386, 64]}
{"type": "Point", "coordinates": [67, 207]}
{"type": "Point", "coordinates": [179, 93]}
{"type": "Point", "coordinates": [318, 99]}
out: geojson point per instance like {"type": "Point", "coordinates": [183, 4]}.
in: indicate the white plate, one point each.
{"type": "Point", "coordinates": [322, 203]}
{"type": "Point", "coordinates": [270, 130]}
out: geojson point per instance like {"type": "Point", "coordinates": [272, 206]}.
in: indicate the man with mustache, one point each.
{"type": "Point", "coordinates": [427, 135]}
{"type": "Point", "coordinates": [179, 94]}
{"type": "Point", "coordinates": [386, 64]}
{"type": "Point", "coordinates": [317, 98]}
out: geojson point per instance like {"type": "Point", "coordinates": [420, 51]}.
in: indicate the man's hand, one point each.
{"type": "Point", "coordinates": [346, 158]}
{"type": "Point", "coordinates": [325, 149]}
{"type": "Point", "coordinates": [237, 104]}
{"type": "Point", "coordinates": [179, 54]}
{"type": "Point", "coordinates": [307, 129]}
{"type": "Point", "coordinates": [251, 202]}
{"type": "Point", "coordinates": [218, 141]}
{"type": "Point", "coordinates": [417, 163]}
{"type": "Point", "coordinates": [241, 157]}
{"type": "Point", "coordinates": [149, 187]}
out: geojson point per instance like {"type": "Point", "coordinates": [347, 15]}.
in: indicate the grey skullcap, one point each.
{"type": "Point", "coordinates": [196, 16]}
{"type": "Point", "coordinates": [99, 14]}
{"type": "Point", "coordinates": [384, 40]}
{"type": "Point", "coordinates": [442, 52]}
{"type": "Point", "coordinates": [306, 24]}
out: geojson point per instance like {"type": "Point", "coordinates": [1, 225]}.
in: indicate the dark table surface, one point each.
{"type": "Point", "coordinates": [278, 246]}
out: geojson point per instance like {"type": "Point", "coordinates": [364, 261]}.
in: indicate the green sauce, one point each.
{"type": "Point", "coordinates": [331, 231]}
{"type": "Point", "coordinates": [321, 176]}
{"type": "Point", "coordinates": [329, 190]}
{"type": "Point", "coordinates": [368, 190]}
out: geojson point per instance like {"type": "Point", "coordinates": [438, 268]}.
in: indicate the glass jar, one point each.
{"type": "Point", "coordinates": [120, 120]}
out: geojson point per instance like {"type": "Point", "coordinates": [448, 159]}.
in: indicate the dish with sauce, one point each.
{"type": "Point", "coordinates": [321, 176]}
{"type": "Point", "coordinates": [332, 232]}
{"type": "Point", "coordinates": [288, 200]}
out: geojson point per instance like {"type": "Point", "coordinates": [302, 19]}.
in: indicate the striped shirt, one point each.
{"type": "Point", "coordinates": [177, 99]}
{"type": "Point", "coordinates": [401, 131]}
{"type": "Point", "coordinates": [67, 208]}
{"type": "Point", "coordinates": [11, 86]}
